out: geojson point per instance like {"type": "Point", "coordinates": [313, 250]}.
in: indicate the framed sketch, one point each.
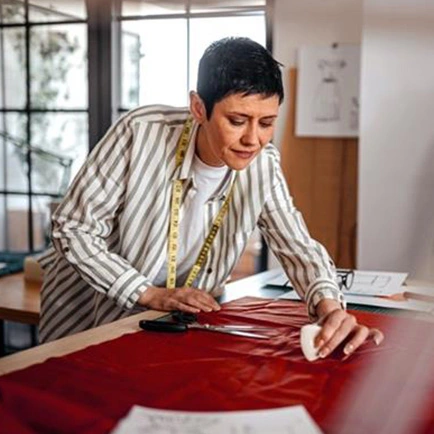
{"type": "Point", "coordinates": [328, 91]}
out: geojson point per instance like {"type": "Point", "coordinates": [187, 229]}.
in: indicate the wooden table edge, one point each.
{"type": "Point", "coordinates": [75, 342]}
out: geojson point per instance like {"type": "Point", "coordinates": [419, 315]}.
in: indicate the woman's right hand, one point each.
{"type": "Point", "coordinates": [190, 300]}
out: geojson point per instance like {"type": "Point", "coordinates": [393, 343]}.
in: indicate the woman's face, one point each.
{"type": "Point", "coordinates": [239, 127]}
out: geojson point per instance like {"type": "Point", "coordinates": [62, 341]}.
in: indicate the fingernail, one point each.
{"type": "Point", "coordinates": [320, 343]}
{"type": "Point", "coordinates": [349, 349]}
{"type": "Point", "coordinates": [377, 340]}
{"type": "Point", "coordinates": [323, 353]}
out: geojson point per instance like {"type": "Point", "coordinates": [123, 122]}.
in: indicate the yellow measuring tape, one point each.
{"type": "Point", "coordinates": [172, 248]}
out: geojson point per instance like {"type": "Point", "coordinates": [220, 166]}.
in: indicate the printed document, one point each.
{"type": "Point", "coordinates": [364, 282]}
{"type": "Point", "coordinates": [285, 420]}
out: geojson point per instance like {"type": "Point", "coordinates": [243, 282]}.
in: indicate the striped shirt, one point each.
{"type": "Point", "coordinates": [109, 234]}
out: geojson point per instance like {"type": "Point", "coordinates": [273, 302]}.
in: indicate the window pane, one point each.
{"type": "Point", "coordinates": [131, 55]}
{"type": "Point", "coordinates": [3, 228]}
{"type": "Point", "coordinates": [15, 219]}
{"type": "Point", "coordinates": [203, 31]}
{"type": "Point", "coordinates": [11, 12]}
{"type": "Point", "coordinates": [142, 7]}
{"type": "Point", "coordinates": [60, 145]}
{"type": "Point", "coordinates": [223, 5]}
{"type": "Point", "coordinates": [161, 75]}
{"type": "Point", "coordinates": [58, 66]}
{"type": "Point", "coordinates": [12, 68]}
{"type": "Point", "coordinates": [13, 152]}
{"type": "Point", "coordinates": [14, 216]}
{"type": "Point", "coordinates": [41, 206]}
{"type": "Point", "coordinates": [58, 10]}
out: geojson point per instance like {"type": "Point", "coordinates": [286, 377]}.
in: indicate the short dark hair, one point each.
{"type": "Point", "coordinates": [237, 65]}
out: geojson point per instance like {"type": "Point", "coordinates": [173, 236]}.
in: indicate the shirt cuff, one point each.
{"type": "Point", "coordinates": [128, 288]}
{"type": "Point", "coordinates": [323, 290]}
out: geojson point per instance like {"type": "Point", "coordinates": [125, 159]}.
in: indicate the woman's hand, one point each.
{"type": "Point", "coordinates": [339, 326]}
{"type": "Point", "coordinates": [185, 299]}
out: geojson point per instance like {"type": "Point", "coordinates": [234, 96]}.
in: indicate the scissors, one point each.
{"type": "Point", "coordinates": [186, 321]}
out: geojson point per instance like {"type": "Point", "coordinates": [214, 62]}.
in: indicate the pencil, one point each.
{"type": "Point", "coordinates": [420, 297]}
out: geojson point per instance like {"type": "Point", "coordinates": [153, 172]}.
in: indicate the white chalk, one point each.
{"type": "Point", "coordinates": [308, 333]}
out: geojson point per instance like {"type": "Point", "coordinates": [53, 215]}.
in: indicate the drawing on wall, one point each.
{"type": "Point", "coordinates": [328, 91]}
{"type": "Point", "coordinates": [326, 105]}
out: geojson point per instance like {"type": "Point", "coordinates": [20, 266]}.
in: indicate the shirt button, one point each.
{"type": "Point", "coordinates": [209, 271]}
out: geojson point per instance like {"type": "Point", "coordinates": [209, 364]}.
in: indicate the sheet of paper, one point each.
{"type": "Point", "coordinates": [368, 300]}
{"type": "Point", "coordinates": [286, 420]}
{"type": "Point", "coordinates": [280, 280]}
{"type": "Point", "coordinates": [415, 305]}
{"type": "Point", "coordinates": [377, 282]}
{"type": "Point", "coordinates": [365, 282]}
{"type": "Point", "coordinates": [419, 289]}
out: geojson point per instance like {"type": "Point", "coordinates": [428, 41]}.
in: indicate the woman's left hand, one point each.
{"type": "Point", "coordinates": [339, 326]}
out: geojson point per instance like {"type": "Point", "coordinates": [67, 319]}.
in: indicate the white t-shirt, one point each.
{"type": "Point", "coordinates": [192, 234]}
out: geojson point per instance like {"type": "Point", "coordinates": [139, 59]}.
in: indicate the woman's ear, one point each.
{"type": "Point", "coordinates": [197, 107]}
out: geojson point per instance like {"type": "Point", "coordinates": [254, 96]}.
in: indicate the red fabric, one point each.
{"type": "Point", "coordinates": [90, 390]}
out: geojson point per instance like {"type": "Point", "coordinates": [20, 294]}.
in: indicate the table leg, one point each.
{"type": "Point", "coordinates": [2, 338]}
{"type": "Point", "coordinates": [34, 335]}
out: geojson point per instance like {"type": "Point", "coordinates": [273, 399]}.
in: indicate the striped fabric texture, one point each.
{"type": "Point", "coordinates": [109, 234]}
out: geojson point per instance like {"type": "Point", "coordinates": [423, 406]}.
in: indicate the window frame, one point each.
{"type": "Point", "coordinates": [28, 111]}
{"type": "Point", "coordinates": [242, 11]}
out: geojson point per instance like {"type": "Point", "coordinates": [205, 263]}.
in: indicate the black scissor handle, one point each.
{"type": "Point", "coordinates": [184, 317]}
{"type": "Point", "coordinates": [162, 326]}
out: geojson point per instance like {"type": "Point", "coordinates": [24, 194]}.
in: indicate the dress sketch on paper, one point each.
{"type": "Point", "coordinates": [327, 100]}
{"type": "Point", "coordinates": [373, 280]}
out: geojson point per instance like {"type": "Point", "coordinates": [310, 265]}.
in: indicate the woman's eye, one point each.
{"type": "Point", "coordinates": [236, 122]}
{"type": "Point", "coordinates": [266, 124]}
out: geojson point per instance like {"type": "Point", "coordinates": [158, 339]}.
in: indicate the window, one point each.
{"type": "Point", "coordinates": [162, 43]}
{"type": "Point", "coordinates": [43, 113]}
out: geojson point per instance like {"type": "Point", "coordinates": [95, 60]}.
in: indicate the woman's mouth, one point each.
{"type": "Point", "coordinates": [245, 155]}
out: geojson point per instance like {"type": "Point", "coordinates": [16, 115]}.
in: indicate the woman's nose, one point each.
{"type": "Point", "coordinates": [251, 137]}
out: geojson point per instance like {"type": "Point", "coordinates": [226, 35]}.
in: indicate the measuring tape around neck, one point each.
{"type": "Point", "coordinates": [175, 205]}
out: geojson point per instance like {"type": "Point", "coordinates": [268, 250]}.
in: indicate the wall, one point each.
{"type": "Point", "coordinates": [322, 175]}
{"type": "Point", "coordinates": [396, 169]}
{"type": "Point", "coordinates": [310, 22]}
